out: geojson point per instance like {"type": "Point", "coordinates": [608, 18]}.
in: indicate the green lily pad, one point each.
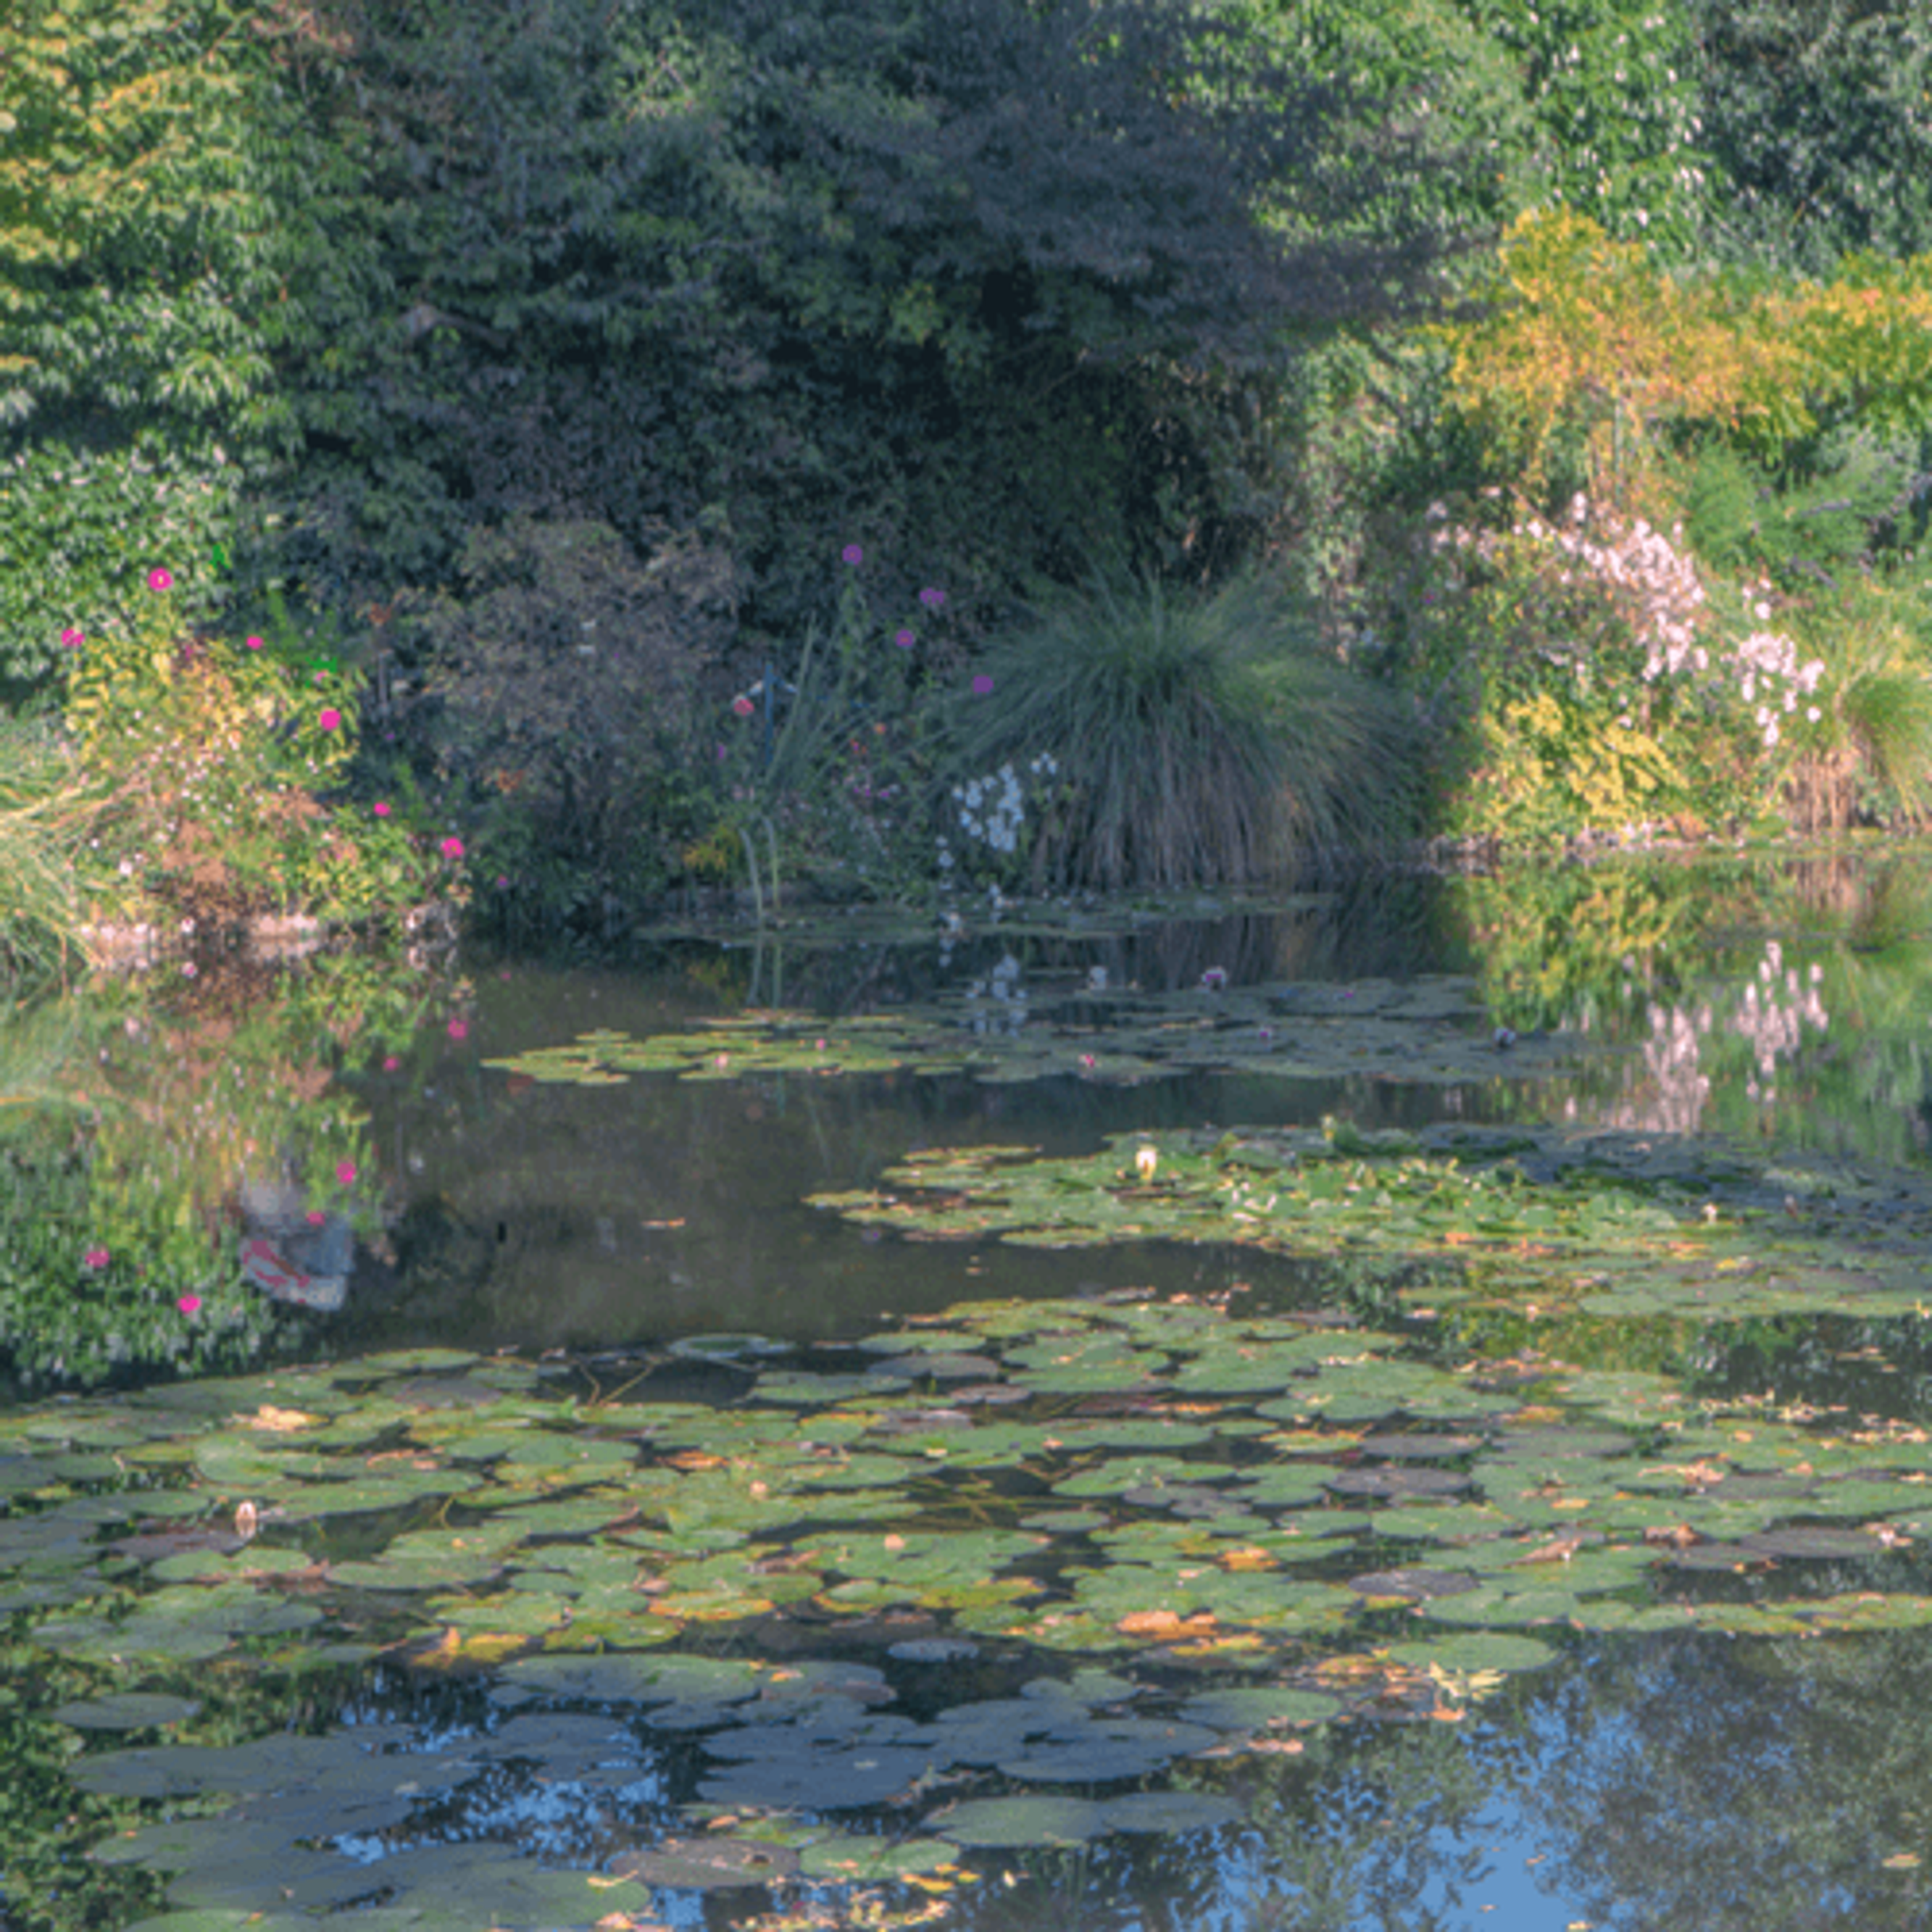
{"type": "Point", "coordinates": [1485, 1651]}
{"type": "Point", "coordinates": [126, 1710]}
{"type": "Point", "coordinates": [858, 1860]}
{"type": "Point", "coordinates": [1170, 1811]}
{"type": "Point", "coordinates": [1016, 1822]}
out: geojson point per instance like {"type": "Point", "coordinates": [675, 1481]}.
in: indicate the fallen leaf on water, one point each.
{"type": "Point", "coordinates": [278, 1421]}
{"type": "Point", "coordinates": [1164, 1623]}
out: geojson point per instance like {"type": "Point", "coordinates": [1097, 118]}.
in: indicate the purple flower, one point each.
{"type": "Point", "coordinates": [853, 555]}
{"type": "Point", "coordinates": [905, 641]}
{"type": "Point", "coordinates": [983, 685]}
{"type": "Point", "coordinates": [932, 599]}
{"type": "Point", "coordinates": [1215, 978]}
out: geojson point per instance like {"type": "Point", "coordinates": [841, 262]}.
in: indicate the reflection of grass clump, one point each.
{"type": "Point", "coordinates": [1197, 742]}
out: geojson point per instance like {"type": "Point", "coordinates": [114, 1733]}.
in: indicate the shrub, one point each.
{"type": "Point", "coordinates": [209, 755]}
{"type": "Point", "coordinates": [1195, 740]}
{"type": "Point", "coordinates": [557, 703]}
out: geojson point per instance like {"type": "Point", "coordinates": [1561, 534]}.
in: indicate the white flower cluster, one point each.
{"type": "Point", "coordinates": [1655, 585]}
{"type": "Point", "coordinates": [993, 809]}
{"type": "Point", "coordinates": [1767, 661]}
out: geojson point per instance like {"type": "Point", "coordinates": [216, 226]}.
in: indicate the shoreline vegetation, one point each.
{"type": "Point", "coordinates": [946, 551]}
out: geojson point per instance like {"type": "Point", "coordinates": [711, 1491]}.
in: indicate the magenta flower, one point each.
{"type": "Point", "coordinates": [315, 1217]}
{"type": "Point", "coordinates": [188, 969]}
{"type": "Point", "coordinates": [382, 809]}
{"type": "Point", "coordinates": [905, 641]}
{"type": "Point", "coordinates": [74, 640]}
{"type": "Point", "coordinates": [983, 685]}
{"type": "Point", "coordinates": [853, 555]}
{"type": "Point", "coordinates": [932, 599]}
{"type": "Point", "coordinates": [390, 1064]}
{"type": "Point", "coordinates": [452, 848]}
{"type": "Point", "coordinates": [190, 1304]}
{"type": "Point", "coordinates": [345, 1171]}
{"type": "Point", "coordinates": [253, 644]}
{"type": "Point", "coordinates": [331, 718]}
{"type": "Point", "coordinates": [161, 580]}
{"type": "Point", "coordinates": [459, 1029]}
{"type": "Point", "coordinates": [96, 1257]}
{"type": "Point", "coordinates": [743, 707]}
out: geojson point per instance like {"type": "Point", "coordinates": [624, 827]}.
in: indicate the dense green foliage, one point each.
{"type": "Point", "coordinates": [460, 330]}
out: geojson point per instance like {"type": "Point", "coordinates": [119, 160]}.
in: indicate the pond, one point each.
{"type": "Point", "coordinates": [1404, 1406]}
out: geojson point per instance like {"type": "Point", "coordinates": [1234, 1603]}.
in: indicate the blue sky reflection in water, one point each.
{"type": "Point", "coordinates": [1759, 1771]}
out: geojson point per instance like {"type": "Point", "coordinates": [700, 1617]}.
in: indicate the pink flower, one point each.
{"type": "Point", "coordinates": [390, 1064]}
{"type": "Point", "coordinates": [382, 809]}
{"type": "Point", "coordinates": [743, 707]}
{"type": "Point", "coordinates": [315, 1217]}
{"type": "Point", "coordinates": [74, 640]}
{"type": "Point", "coordinates": [853, 555]}
{"type": "Point", "coordinates": [983, 685]}
{"type": "Point", "coordinates": [188, 969]}
{"type": "Point", "coordinates": [96, 1257]}
{"type": "Point", "coordinates": [932, 599]}
{"type": "Point", "coordinates": [345, 1171]}
{"type": "Point", "coordinates": [905, 641]}
{"type": "Point", "coordinates": [459, 1029]}
{"type": "Point", "coordinates": [254, 643]}
{"type": "Point", "coordinates": [162, 579]}
{"type": "Point", "coordinates": [190, 1304]}
{"type": "Point", "coordinates": [452, 848]}
{"type": "Point", "coordinates": [331, 718]}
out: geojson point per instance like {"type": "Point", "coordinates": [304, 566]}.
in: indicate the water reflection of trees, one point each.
{"type": "Point", "coordinates": [1741, 1786]}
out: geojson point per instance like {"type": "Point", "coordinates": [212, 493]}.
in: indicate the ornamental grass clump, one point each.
{"type": "Point", "coordinates": [45, 811]}
{"type": "Point", "coordinates": [1197, 740]}
{"type": "Point", "coordinates": [1868, 752]}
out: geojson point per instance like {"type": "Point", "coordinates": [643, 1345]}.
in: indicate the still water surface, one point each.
{"type": "Point", "coordinates": [632, 1252]}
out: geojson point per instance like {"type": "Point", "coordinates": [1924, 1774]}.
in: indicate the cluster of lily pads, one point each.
{"type": "Point", "coordinates": [1027, 1574]}
{"type": "Point", "coordinates": [1614, 1224]}
{"type": "Point", "coordinates": [1431, 1029]}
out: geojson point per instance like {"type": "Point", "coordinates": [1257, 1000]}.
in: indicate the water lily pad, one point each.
{"type": "Point", "coordinates": [1257, 1707]}
{"type": "Point", "coordinates": [1016, 1822]}
{"type": "Point", "coordinates": [126, 1710]}
{"type": "Point", "coordinates": [1169, 1811]}
{"type": "Point", "coordinates": [1486, 1651]}
{"type": "Point", "coordinates": [858, 1860]}
{"type": "Point", "coordinates": [707, 1864]}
